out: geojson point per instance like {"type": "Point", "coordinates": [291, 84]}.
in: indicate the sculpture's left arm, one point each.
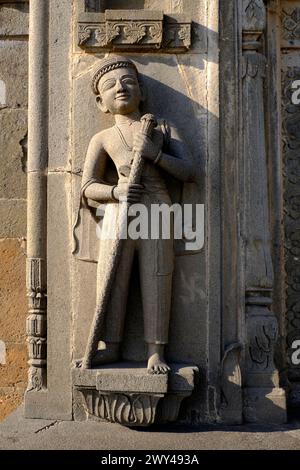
{"type": "Point", "coordinates": [177, 159]}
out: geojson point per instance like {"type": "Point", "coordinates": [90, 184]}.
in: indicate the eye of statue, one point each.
{"type": "Point", "coordinates": [129, 81]}
{"type": "Point", "coordinates": [108, 84]}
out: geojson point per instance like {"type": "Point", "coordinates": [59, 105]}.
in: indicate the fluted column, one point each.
{"type": "Point", "coordinates": [37, 194]}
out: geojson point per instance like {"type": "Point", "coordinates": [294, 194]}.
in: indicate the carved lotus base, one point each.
{"type": "Point", "coordinates": [126, 409]}
{"type": "Point", "coordinates": [129, 395]}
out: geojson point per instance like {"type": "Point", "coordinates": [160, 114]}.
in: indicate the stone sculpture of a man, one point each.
{"type": "Point", "coordinates": [116, 84]}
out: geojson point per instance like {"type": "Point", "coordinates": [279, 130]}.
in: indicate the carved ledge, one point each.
{"type": "Point", "coordinates": [134, 30]}
{"type": "Point", "coordinates": [128, 395]}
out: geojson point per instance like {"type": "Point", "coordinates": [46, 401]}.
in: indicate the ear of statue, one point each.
{"type": "Point", "coordinates": [101, 105]}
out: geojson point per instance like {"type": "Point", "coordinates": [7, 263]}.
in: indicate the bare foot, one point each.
{"type": "Point", "coordinates": [157, 365]}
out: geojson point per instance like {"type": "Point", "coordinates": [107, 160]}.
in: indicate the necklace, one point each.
{"type": "Point", "coordinates": [123, 139]}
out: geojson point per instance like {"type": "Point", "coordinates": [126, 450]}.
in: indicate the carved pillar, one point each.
{"type": "Point", "coordinates": [231, 410]}
{"type": "Point", "coordinates": [264, 401]}
{"type": "Point", "coordinates": [37, 194]}
{"type": "Point", "coordinates": [290, 49]}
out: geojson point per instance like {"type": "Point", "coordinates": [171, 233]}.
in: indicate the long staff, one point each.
{"type": "Point", "coordinates": [148, 124]}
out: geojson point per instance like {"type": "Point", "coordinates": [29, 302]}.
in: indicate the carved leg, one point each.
{"type": "Point", "coordinates": [156, 361]}
{"type": "Point", "coordinates": [109, 355]}
{"type": "Point", "coordinates": [156, 260]}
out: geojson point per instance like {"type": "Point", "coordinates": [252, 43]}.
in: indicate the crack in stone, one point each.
{"type": "Point", "coordinates": [45, 428]}
{"type": "Point", "coordinates": [24, 145]}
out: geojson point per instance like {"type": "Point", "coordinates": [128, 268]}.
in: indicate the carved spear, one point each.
{"type": "Point", "coordinates": [148, 124]}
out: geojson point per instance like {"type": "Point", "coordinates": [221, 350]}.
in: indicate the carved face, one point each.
{"type": "Point", "coordinates": [119, 92]}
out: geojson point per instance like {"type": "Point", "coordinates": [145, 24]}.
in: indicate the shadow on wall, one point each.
{"type": "Point", "coordinates": [176, 88]}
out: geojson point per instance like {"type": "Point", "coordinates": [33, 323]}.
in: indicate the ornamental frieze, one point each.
{"type": "Point", "coordinates": [123, 30]}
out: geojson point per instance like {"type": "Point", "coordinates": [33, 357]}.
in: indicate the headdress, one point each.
{"type": "Point", "coordinates": [108, 64]}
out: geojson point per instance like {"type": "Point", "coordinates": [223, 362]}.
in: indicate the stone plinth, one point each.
{"type": "Point", "coordinates": [127, 394]}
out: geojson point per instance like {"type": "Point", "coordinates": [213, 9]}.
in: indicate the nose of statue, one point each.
{"type": "Point", "coordinates": [119, 86]}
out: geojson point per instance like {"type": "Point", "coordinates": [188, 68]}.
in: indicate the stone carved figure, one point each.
{"type": "Point", "coordinates": [118, 90]}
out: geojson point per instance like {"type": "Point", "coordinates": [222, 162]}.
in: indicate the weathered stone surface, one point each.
{"type": "Point", "coordinates": [125, 393]}
{"type": "Point", "coordinates": [265, 405]}
{"type": "Point", "coordinates": [14, 372]}
{"type": "Point", "coordinates": [18, 433]}
{"type": "Point", "coordinates": [10, 400]}
{"type": "Point", "coordinates": [13, 302]}
{"type": "Point", "coordinates": [13, 217]}
{"type": "Point", "coordinates": [130, 380]}
{"type": "Point", "coordinates": [13, 155]}
{"type": "Point", "coordinates": [13, 71]}
{"type": "Point", "coordinates": [14, 19]}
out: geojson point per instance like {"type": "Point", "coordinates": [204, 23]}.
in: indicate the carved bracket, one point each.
{"type": "Point", "coordinates": [121, 408]}
{"type": "Point", "coordinates": [130, 396]}
{"type": "Point", "coordinates": [134, 30]}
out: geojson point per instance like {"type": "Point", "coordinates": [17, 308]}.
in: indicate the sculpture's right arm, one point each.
{"type": "Point", "coordinates": [93, 179]}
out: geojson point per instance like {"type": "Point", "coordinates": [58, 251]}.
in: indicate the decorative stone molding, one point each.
{"type": "Point", "coordinates": [291, 25]}
{"type": "Point", "coordinates": [127, 30]}
{"type": "Point", "coordinates": [254, 22]}
{"type": "Point", "coordinates": [177, 33]}
{"type": "Point", "coordinates": [36, 324]}
{"type": "Point", "coordinates": [254, 15]}
{"type": "Point", "coordinates": [262, 333]}
{"type": "Point", "coordinates": [125, 409]}
{"type": "Point", "coordinates": [130, 396]}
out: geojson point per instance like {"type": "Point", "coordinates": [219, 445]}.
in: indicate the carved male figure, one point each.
{"type": "Point", "coordinates": [118, 91]}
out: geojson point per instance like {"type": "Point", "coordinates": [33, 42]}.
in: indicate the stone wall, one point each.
{"type": "Point", "coordinates": [13, 162]}
{"type": "Point", "coordinates": [13, 156]}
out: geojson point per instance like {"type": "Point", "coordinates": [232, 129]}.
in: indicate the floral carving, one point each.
{"type": "Point", "coordinates": [177, 35]}
{"type": "Point", "coordinates": [135, 32]}
{"type": "Point", "coordinates": [130, 33]}
{"type": "Point", "coordinates": [155, 32]}
{"type": "Point", "coordinates": [262, 341]}
{"type": "Point", "coordinates": [122, 408]}
{"type": "Point", "coordinates": [101, 36]}
{"type": "Point", "coordinates": [112, 32]}
{"type": "Point", "coordinates": [84, 34]}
